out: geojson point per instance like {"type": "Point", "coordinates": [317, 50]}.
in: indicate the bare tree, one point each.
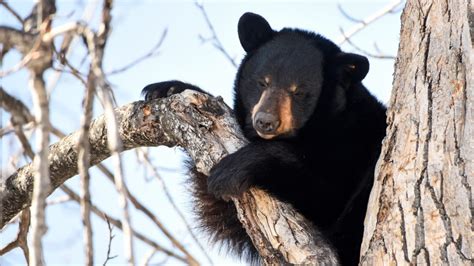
{"type": "Point", "coordinates": [35, 40]}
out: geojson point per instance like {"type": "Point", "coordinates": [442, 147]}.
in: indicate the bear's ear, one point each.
{"type": "Point", "coordinates": [353, 66]}
{"type": "Point", "coordinates": [254, 31]}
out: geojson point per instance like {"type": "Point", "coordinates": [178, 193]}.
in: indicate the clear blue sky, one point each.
{"type": "Point", "coordinates": [137, 26]}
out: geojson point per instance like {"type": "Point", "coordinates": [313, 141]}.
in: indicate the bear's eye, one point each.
{"type": "Point", "coordinates": [263, 83]}
{"type": "Point", "coordinates": [294, 89]}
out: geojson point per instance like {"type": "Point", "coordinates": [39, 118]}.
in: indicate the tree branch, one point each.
{"type": "Point", "coordinates": [203, 126]}
{"type": "Point", "coordinates": [12, 11]}
{"type": "Point", "coordinates": [389, 8]}
{"type": "Point", "coordinates": [40, 168]}
{"type": "Point", "coordinates": [118, 224]}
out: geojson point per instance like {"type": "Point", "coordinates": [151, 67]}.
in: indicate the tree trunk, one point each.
{"type": "Point", "coordinates": [421, 206]}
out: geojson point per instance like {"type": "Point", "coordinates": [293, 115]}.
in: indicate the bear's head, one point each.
{"type": "Point", "coordinates": [289, 77]}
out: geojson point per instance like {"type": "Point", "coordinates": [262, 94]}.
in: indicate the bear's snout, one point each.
{"type": "Point", "coordinates": [266, 123]}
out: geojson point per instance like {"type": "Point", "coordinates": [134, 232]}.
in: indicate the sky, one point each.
{"type": "Point", "coordinates": [136, 27]}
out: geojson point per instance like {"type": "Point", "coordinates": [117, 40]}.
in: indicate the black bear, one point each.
{"type": "Point", "coordinates": [315, 134]}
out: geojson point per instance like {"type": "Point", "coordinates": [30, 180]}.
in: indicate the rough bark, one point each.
{"type": "Point", "coordinates": [205, 127]}
{"type": "Point", "coordinates": [421, 206]}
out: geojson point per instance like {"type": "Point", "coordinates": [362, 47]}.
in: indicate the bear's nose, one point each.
{"type": "Point", "coordinates": [266, 123]}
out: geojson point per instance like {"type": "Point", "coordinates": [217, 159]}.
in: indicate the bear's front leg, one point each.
{"type": "Point", "coordinates": [266, 165]}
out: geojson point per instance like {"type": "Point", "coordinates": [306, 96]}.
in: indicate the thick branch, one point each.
{"type": "Point", "coordinates": [205, 128]}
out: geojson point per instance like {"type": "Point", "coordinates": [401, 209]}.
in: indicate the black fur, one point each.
{"type": "Point", "coordinates": [218, 218]}
{"type": "Point", "coordinates": [324, 164]}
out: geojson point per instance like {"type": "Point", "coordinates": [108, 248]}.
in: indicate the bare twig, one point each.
{"type": "Point", "coordinates": [12, 11]}
{"type": "Point", "coordinates": [378, 56]}
{"type": "Point", "coordinates": [376, 47]}
{"type": "Point", "coordinates": [6, 130]}
{"type": "Point", "coordinates": [214, 39]}
{"type": "Point", "coordinates": [115, 146]}
{"type": "Point", "coordinates": [60, 30]}
{"type": "Point", "coordinates": [72, 70]}
{"type": "Point", "coordinates": [23, 140]}
{"type": "Point", "coordinates": [37, 58]}
{"type": "Point", "coordinates": [139, 206]}
{"type": "Point", "coordinates": [168, 195]}
{"type": "Point", "coordinates": [32, 55]}
{"type": "Point", "coordinates": [345, 14]}
{"type": "Point", "coordinates": [41, 181]}
{"type": "Point", "coordinates": [20, 115]}
{"type": "Point", "coordinates": [96, 44]}
{"type": "Point", "coordinates": [18, 110]}
{"type": "Point", "coordinates": [25, 217]}
{"type": "Point", "coordinates": [83, 166]}
{"type": "Point", "coordinates": [39, 55]}
{"type": "Point", "coordinates": [58, 200]}
{"type": "Point", "coordinates": [154, 51]}
{"type": "Point", "coordinates": [42, 10]}
{"type": "Point", "coordinates": [24, 226]}
{"type": "Point", "coordinates": [21, 240]}
{"type": "Point", "coordinates": [148, 256]}
{"type": "Point", "coordinates": [14, 38]}
{"type": "Point", "coordinates": [365, 22]}
{"type": "Point", "coordinates": [109, 245]}
{"type": "Point", "coordinates": [68, 44]}
{"type": "Point", "coordinates": [115, 222]}
{"type": "Point", "coordinates": [36, 48]}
